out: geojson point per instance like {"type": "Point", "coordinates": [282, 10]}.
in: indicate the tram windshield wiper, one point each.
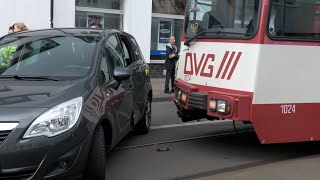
{"type": "Point", "coordinates": [216, 31]}
{"type": "Point", "coordinates": [188, 41]}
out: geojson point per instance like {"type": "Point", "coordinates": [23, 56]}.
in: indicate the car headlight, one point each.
{"type": "Point", "coordinates": [57, 120]}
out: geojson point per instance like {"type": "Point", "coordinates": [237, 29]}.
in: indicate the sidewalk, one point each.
{"type": "Point", "coordinates": [158, 88]}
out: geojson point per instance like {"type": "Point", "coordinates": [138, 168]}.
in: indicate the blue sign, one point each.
{"type": "Point", "coordinates": [157, 52]}
{"type": "Point", "coordinates": [164, 32]}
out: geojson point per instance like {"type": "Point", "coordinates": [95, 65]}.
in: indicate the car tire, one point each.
{"type": "Point", "coordinates": [97, 157]}
{"type": "Point", "coordinates": [144, 123]}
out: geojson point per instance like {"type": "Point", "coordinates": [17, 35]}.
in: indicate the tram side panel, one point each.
{"type": "Point", "coordinates": [286, 99]}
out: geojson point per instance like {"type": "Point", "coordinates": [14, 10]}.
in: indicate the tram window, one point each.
{"type": "Point", "coordinates": [295, 19]}
{"type": "Point", "coordinates": [232, 18]}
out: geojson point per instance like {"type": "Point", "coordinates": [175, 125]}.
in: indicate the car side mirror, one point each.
{"type": "Point", "coordinates": [121, 73]}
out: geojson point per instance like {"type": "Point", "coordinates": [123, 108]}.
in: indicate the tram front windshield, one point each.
{"type": "Point", "coordinates": [222, 18]}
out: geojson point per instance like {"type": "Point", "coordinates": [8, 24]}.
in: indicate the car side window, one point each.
{"type": "Point", "coordinates": [137, 50]}
{"type": "Point", "coordinates": [104, 69]}
{"type": "Point", "coordinates": [128, 57]}
{"type": "Point", "coordinates": [114, 54]}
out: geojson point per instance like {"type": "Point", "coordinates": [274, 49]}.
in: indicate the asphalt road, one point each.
{"type": "Point", "coordinates": [195, 150]}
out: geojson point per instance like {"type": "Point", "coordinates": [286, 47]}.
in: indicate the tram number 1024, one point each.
{"type": "Point", "coordinates": [288, 109]}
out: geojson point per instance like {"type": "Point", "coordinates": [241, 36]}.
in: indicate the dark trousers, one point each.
{"type": "Point", "coordinates": [170, 75]}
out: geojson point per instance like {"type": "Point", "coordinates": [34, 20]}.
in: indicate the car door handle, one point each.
{"type": "Point", "coordinates": [130, 87]}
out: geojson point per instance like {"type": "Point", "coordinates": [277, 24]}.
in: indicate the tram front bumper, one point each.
{"type": "Point", "coordinates": [194, 103]}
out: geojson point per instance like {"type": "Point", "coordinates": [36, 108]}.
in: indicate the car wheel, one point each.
{"type": "Point", "coordinates": [97, 157]}
{"type": "Point", "coordinates": [144, 124]}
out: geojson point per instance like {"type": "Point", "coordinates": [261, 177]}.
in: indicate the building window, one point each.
{"type": "Point", "coordinates": [167, 20]}
{"type": "Point", "coordinates": [175, 7]}
{"type": "Point", "coordinates": [161, 30]}
{"type": "Point", "coordinates": [100, 20]}
{"type": "Point", "coordinates": [99, 13]}
{"type": "Point", "coordinates": [104, 4]}
{"type": "Point", "coordinates": [92, 3]}
{"type": "Point", "coordinates": [162, 3]}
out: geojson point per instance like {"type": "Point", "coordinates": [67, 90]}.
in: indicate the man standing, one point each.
{"type": "Point", "coordinates": [172, 55]}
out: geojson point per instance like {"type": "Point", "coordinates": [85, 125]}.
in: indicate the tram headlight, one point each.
{"type": "Point", "coordinates": [184, 97]}
{"type": "Point", "coordinates": [213, 104]}
{"type": "Point", "coordinates": [179, 94]}
{"type": "Point", "coordinates": [223, 106]}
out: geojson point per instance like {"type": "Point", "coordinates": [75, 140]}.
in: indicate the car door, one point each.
{"type": "Point", "coordinates": [122, 96]}
{"type": "Point", "coordinates": [138, 69]}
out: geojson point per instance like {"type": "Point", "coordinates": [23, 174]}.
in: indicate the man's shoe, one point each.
{"type": "Point", "coordinates": [172, 90]}
{"type": "Point", "coordinates": [166, 92]}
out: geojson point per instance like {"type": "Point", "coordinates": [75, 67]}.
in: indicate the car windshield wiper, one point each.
{"type": "Point", "coordinates": [188, 41]}
{"type": "Point", "coordinates": [18, 77]}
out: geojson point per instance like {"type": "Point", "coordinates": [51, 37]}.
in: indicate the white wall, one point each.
{"type": "Point", "coordinates": [64, 13]}
{"type": "Point", "coordinates": [137, 21]}
{"type": "Point", "coordinates": [34, 13]}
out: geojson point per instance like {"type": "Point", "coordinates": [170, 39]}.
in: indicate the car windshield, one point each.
{"type": "Point", "coordinates": [63, 57]}
{"type": "Point", "coordinates": [229, 18]}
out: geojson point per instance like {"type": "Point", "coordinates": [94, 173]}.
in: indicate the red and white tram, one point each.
{"type": "Point", "coordinates": [256, 61]}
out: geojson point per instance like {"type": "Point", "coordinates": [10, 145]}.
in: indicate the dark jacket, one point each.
{"type": "Point", "coordinates": [170, 63]}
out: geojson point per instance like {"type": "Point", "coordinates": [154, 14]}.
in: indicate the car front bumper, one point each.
{"type": "Point", "coordinates": [41, 157]}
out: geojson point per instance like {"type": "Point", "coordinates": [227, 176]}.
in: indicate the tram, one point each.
{"type": "Point", "coordinates": [256, 61]}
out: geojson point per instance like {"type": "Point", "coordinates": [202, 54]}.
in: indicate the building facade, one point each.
{"type": "Point", "coordinates": [151, 22]}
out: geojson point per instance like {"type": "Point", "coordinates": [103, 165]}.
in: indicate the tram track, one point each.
{"type": "Point", "coordinates": [183, 139]}
{"type": "Point", "coordinates": [201, 150]}
{"type": "Point", "coordinates": [218, 171]}
{"type": "Point", "coordinates": [227, 150]}
{"type": "Point", "coordinates": [290, 156]}
{"type": "Point", "coordinates": [239, 167]}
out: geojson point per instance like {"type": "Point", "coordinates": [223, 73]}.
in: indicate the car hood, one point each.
{"type": "Point", "coordinates": [38, 94]}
